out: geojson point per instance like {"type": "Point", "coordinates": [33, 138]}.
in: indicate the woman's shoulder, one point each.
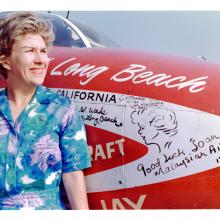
{"type": "Point", "coordinates": [57, 98]}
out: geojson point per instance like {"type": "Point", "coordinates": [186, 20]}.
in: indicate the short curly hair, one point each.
{"type": "Point", "coordinates": [17, 24]}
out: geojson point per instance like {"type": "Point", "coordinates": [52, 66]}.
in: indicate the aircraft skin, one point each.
{"type": "Point", "coordinates": [152, 122]}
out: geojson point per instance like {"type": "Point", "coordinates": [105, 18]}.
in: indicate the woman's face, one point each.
{"type": "Point", "coordinates": [28, 61]}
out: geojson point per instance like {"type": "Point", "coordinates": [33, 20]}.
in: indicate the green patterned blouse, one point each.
{"type": "Point", "coordinates": [47, 139]}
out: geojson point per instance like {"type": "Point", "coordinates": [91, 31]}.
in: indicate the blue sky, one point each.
{"type": "Point", "coordinates": [185, 33]}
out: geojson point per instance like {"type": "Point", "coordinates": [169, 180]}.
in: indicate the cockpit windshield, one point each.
{"type": "Point", "coordinates": [66, 36]}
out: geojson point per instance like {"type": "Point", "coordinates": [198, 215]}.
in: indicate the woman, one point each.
{"type": "Point", "coordinates": [42, 138]}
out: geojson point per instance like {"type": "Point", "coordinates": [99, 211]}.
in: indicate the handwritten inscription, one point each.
{"type": "Point", "coordinates": [177, 154]}
{"type": "Point", "coordinates": [134, 73]}
{"type": "Point", "coordinates": [98, 115]}
{"type": "Point", "coordinates": [139, 103]}
{"type": "Point", "coordinates": [214, 149]}
{"type": "Point", "coordinates": [101, 111]}
{"type": "Point", "coordinates": [101, 119]}
{"type": "Point", "coordinates": [182, 163]}
{"type": "Point", "coordinates": [201, 143]}
{"type": "Point", "coordinates": [167, 163]}
{"type": "Point", "coordinates": [162, 167]}
{"type": "Point", "coordinates": [146, 170]}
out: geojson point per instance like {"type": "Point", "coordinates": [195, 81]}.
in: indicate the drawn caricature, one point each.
{"type": "Point", "coordinates": [156, 126]}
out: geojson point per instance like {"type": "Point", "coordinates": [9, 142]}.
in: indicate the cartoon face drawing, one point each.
{"type": "Point", "coordinates": [154, 124]}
